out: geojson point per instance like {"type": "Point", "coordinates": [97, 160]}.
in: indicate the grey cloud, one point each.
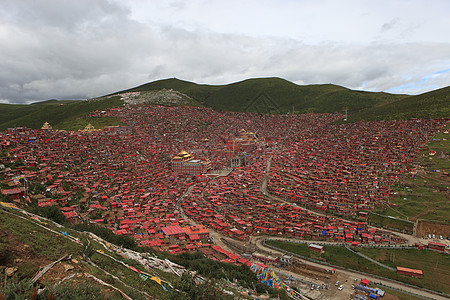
{"type": "Point", "coordinates": [68, 15]}
{"type": "Point", "coordinates": [99, 50]}
{"type": "Point", "coordinates": [389, 25]}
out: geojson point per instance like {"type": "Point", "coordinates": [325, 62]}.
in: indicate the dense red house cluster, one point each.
{"type": "Point", "coordinates": [121, 178]}
{"type": "Point", "coordinates": [347, 169]}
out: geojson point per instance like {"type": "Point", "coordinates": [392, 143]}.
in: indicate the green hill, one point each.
{"type": "Point", "coordinates": [102, 270]}
{"type": "Point", "coordinates": [274, 95]}
{"type": "Point", "coordinates": [434, 104]}
{"type": "Point", "coordinates": [262, 95]}
{"type": "Point", "coordinates": [53, 111]}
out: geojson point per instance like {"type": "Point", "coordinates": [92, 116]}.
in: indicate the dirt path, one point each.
{"type": "Point", "coordinates": [411, 240]}
{"type": "Point", "coordinates": [257, 241]}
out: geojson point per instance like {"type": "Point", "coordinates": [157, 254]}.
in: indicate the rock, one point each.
{"type": "Point", "coordinates": [10, 271]}
{"type": "Point", "coordinates": [68, 267]}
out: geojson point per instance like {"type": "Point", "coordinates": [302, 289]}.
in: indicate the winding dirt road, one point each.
{"type": "Point", "coordinates": [258, 242]}
{"type": "Point", "coordinates": [410, 239]}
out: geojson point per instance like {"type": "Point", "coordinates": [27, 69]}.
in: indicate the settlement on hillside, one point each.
{"type": "Point", "coordinates": [136, 180]}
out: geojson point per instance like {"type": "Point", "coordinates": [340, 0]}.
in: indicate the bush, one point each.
{"type": "Point", "coordinates": [108, 235]}
{"type": "Point", "coordinates": [79, 291]}
{"type": "Point", "coordinates": [87, 250]}
{"type": "Point", "coordinates": [190, 290]}
{"type": "Point", "coordinates": [217, 270]}
{"type": "Point", "coordinates": [5, 254]}
{"type": "Point", "coordinates": [14, 289]}
{"type": "Point", "coordinates": [53, 213]}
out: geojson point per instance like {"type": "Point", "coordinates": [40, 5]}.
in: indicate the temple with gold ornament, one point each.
{"type": "Point", "coordinates": [246, 141]}
{"type": "Point", "coordinates": [184, 163]}
{"type": "Point", "coordinates": [89, 127]}
{"type": "Point", "coordinates": [46, 126]}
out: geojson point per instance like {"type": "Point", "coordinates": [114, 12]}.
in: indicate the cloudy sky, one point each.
{"type": "Point", "coordinates": [75, 49]}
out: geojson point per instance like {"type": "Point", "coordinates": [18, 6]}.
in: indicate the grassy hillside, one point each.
{"type": "Point", "coordinates": [279, 95]}
{"type": "Point", "coordinates": [25, 246]}
{"type": "Point", "coordinates": [80, 123]}
{"type": "Point", "coordinates": [28, 243]}
{"type": "Point", "coordinates": [431, 105]}
{"type": "Point", "coordinates": [53, 111]}
{"type": "Point", "coordinates": [262, 95]}
{"type": "Point", "coordinates": [196, 91]}
{"type": "Point", "coordinates": [423, 198]}
{"type": "Point", "coordinates": [435, 266]}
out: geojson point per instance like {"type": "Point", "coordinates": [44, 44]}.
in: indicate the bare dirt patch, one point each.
{"type": "Point", "coordinates": [390, 297]}
{"type": "Point", "coordinates": [433, 228]}
{"type": "Point", "coordinates": [381, 257]}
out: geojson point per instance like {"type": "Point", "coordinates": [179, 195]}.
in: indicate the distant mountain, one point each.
{"type": "Point", "coordinates": [53, 111]}
{"type": "Point", "coordinates": [273, 95]}
{"type": "Point", "coordinates": [261, 95]}
{"type": "Point", "coordinates": [434, 104]}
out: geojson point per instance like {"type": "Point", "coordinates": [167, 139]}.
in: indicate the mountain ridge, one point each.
{"type": "Point", "coordinates": [316, 98]}
{"type": "Point", "coordinates": [258, 95]}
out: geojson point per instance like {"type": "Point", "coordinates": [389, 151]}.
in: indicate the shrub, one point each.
{"type": "Point", "coordinates": [53, 213]}
{"type": "Point", "coordinates": [108, 235]}
{"type": "Point", "coordinates": [15, 289]}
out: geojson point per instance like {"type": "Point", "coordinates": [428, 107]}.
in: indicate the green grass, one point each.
{"type": "Point", "coordinates": [53, 112]}
{"type": "Point", "coordinates": [422, 204]}
{"type": "Point", "coordinates": [431, 105]}
{"type": "Point", "coordinates": [394, 224]}
{"type": "Point", "coordinates": [400, 295]}
{"type": "Point", "coordinates": [128, 276]}
{"type": "Point", "coordinates": [44, 244]}
{"type": "Point", "coordinates": [281, 96]}
{"type": "Point", "coordinates": [13, 288]}
{"type": "Point", "coordinates": [81, 123]}
{"type": "Point", "coordinates": [426, 196]}
{"type": "Point", "coordinates": [308, 98]}
{"type": "Point", "coordinates": [436, 266]}
{"type": "Point", "coordinates": [39, 241]}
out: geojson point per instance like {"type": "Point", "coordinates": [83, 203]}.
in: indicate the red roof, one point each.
{"type": "Point", "coordinates": [194, 237]}
{"type": "Point", "coordinates": [436, 244]}
{"type": "Point", "coordinates": [172, 230]}
{"type": "Point", "coordinates": [401, 269]}
{"type": "Point", "coordinates": [70, 214]}
{"type": "Point", "coordinates": [197, 229]}
{"type": "Point", "coordinates": [12, 191]}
